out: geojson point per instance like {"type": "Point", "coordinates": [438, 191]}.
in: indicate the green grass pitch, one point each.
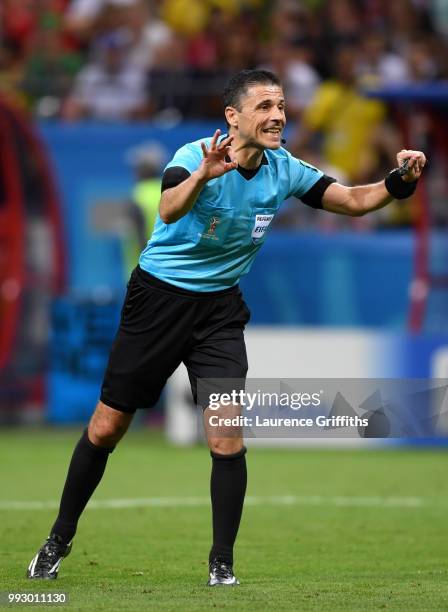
{"type": "Point", "coordinates": [357, 530]}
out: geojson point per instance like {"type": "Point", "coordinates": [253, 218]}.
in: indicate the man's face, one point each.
{"type": "Point", "coordinates": [261, 118]}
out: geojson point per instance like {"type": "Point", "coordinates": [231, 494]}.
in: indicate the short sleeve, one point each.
{"type": "Point", "coordinates": [189, 157]}
{"type": "Point", "coordinates": [302, 177]}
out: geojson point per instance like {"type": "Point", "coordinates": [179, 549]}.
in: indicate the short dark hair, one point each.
{"type": "Point", "coordinates": [241, 81]}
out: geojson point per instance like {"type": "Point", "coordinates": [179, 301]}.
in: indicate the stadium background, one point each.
{"type": "Point", "coordinates": [97, 93]}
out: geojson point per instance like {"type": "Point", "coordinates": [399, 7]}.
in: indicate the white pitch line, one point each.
{"type": "Point", "coordinates": [274, 500]}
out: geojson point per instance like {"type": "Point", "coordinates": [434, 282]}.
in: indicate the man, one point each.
{"type": "Point", "coordinates": [351, 127]}
{"type": "Point", "coordinates": [141, 211]}
{"type": "Point", "coordinates": [218, 199]}
{"type": "Point", "coordinates": [110, 87]}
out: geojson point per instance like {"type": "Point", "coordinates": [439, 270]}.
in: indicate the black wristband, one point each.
{"type": "Point", "coordinates": [397, 188]}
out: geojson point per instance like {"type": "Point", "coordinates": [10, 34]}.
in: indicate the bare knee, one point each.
{"type": "Point", "coordinates": [107, 425]}
{"type": "Point", "coordinates": [223, 438]}
{"type": "Point", "coordinates": [225, 446]}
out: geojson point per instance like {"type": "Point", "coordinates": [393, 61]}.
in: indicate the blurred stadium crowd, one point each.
{"type": "Point", "coordinates": [130, 59]}
{"type": "Point", "coordinates": [167, 60]}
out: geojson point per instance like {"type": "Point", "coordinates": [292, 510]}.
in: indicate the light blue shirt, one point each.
{"type": "Point", "coordinates": [214, 244]}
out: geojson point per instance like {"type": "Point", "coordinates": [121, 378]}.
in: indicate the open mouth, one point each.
{"type": "Point", "coordinates": [274, 131]}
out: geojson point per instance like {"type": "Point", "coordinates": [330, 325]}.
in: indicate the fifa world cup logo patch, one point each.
{"type": "Point", "coordinates": [214, 222]}
{"type": "Point", "coordinates": [210, 234]}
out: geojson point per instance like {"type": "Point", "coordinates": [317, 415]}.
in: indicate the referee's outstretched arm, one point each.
{"type": "Point", "coordinates": [359, 200]}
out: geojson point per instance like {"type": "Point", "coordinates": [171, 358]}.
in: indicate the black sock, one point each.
{"type": "Point", "coordinates": [227, 488]}
{"type": "Point", "coordinates": [84, 474]}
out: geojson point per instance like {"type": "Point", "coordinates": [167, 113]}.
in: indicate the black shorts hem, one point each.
{"type": "Point", "coordinates": [117, 406]}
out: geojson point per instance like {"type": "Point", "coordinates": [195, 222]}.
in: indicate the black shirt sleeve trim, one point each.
{"type": "Point", "coordinates": [313, 197]}
{"type": "Point", "coordinates": [173, 177]}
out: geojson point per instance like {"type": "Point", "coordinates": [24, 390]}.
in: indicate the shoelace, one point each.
{"type": "Point", "coordinates": [222, 570]}
{"type": "Point", "coordinates": [48, 556]}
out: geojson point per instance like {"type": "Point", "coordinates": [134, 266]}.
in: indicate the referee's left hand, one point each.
{"type": "Point", "coordinates": [416, 163]}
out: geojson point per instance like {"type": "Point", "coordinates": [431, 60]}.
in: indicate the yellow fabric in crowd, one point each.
{"type": "Point", "coordinates": [189, 17]}
{"type": "Point", "coordinates": [347, 121]}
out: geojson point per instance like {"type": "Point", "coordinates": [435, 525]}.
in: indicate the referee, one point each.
{"type": "Point", "coordinates": [183, 303]}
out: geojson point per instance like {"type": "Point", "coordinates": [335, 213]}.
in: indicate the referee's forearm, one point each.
{"type": "Point", "coordinates": [367, 198]}
{"type": "Point", "coordinates": [177, 201]}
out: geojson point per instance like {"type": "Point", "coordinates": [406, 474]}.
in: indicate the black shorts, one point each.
{"type": "Point", "coordinates": [161, 326]}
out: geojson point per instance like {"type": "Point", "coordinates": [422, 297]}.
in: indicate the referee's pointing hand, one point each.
{"type": "Point", "coordinates": [214, 163]}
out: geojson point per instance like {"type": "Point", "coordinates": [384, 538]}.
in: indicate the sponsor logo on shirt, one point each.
{"type": "Point", "coordinates": [262, 223]}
